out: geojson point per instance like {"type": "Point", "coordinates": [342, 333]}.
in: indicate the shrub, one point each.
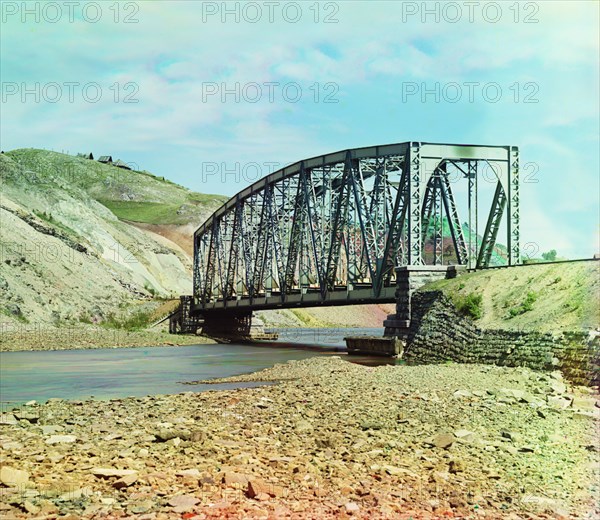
{"type": "Point", "coordinates": [85, 318]}
{"type": "Point", "coordinates": [150, 289]}
{"type": "Point", "coordinates": [525, 306]}
{"type": "Point", "coordinates": [136, 321]}
{"type": "Point", "coordinates": [470, 305]}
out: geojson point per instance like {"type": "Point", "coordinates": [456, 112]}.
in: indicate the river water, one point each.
{"type": "Point", "coordinates": [122, 372]}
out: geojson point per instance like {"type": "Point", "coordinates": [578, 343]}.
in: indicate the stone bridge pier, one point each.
{"type": "Point", "coordinates": [408, 279]}
{"type": "Point", "coordinates": [397, 326]}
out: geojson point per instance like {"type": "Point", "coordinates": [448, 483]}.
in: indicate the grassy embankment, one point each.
{"type": "Point", "coordinates": [543, 297]}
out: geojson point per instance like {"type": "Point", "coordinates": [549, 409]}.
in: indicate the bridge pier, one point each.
{"type": "Point", "coordinates": [397, 326]}
{"type": "Point", "coordinates": [409, 278]}
{"type": "Point", "coordinates": [182, 321]}
{"type": "Point", "coordinates": [234, 326]}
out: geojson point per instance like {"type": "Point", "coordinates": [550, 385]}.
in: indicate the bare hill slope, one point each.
{"type": "Point", "coordinates": [66, 251]}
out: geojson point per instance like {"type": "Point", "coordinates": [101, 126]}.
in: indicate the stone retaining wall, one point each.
{"type": "Point", "coordinates": [438, 333]}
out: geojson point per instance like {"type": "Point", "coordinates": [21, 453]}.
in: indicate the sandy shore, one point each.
{"type": "Point", "coordinates": [331, 440]}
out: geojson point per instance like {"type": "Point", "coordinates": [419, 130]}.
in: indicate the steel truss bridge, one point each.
{"type": "Point", "coordinates": [330, 230]}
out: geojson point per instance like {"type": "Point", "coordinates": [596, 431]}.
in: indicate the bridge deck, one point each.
{"type": "Point", "coordinates": [310, 298]}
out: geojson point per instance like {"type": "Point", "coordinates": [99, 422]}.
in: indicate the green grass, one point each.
{"type": "Point", "coordinates": [145, 212]}
{"type": "Point", "coordinates": [543, 297]}
{"type": "Point", "coordinates": [470, 305]}
{"type": "Point", "coordinates": [48, 218]}
{"type": "Point", "coordinates": [19, 317]}
{"type": "Point", "coordinates": [525, 306]}
{"type": "Point", "coordinates": [307, 319]}
{"type": "Point", "coordinates": [153, 199]}
{"type": "Point", "coordinates": [205, 198]}
{"type": "Point", "coordinates": [137, 321]}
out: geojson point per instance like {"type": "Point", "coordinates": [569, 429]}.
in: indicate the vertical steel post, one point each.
{"type": "Point", "coordinates": [473, 210]}
{"type": "Point", "coordinates": [415, 250]}
{"type": "Point", "coordinates": [513, 231]}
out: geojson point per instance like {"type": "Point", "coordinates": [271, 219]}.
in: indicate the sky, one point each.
{"type": "Point", "coordinates": [214, 95]}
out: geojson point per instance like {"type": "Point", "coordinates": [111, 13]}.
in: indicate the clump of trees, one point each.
{"type": "Point", "coordinates": [549, 256]}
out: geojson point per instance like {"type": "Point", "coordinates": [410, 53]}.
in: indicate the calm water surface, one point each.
{"type": "Point", "coordinates": [121, 372]}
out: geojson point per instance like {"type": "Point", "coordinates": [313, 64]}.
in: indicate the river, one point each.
{"type": "Point", "coordinates": [122, 372]}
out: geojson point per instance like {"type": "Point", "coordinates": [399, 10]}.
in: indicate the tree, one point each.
{"type": "Point", "coordinates": [550, 256]}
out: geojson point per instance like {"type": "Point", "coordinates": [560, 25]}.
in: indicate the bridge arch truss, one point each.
{"type": "Point", "coordinates": [331, 229]}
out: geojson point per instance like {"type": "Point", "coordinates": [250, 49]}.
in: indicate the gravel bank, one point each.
{"type": "Point", "coordinates": [30, 337]}
{"type": "Point", "coordinates": [332, 440]}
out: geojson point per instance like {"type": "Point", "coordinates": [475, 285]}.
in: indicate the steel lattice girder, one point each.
{"type": "Point", "coordinates": [331, 229]}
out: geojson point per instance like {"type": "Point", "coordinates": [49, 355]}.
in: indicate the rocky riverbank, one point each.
{"type": "Point", "coordinates": [331, 440]}
{"type": "Point", "coordinates": [31, 337]}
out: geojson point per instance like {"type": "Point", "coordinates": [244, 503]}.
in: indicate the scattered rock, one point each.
{"type": "Point", "coordinates": [49, 429]}
{"type": "Point", "coordinates": [371, 438]}
{"type": "Point", "coordinates": [188, 473]}
{"type": "Point", "coordinates": [168, 434]}
{"type": "Point", "coordinates": [125, 481]}
{"type": "Point", "coordinates": [371, 425]}
{"type": "Point", "coordinates": [174, 442]}
{"type": "Point", "coordinates": [443, 440]}
{"type": "Point", "coordinates": [558, 387]}
{"type": "Point", "coordinates": [141, 507]}
{"type": "Point", "coordinates": [112, 472]}
{"type": "Point", "coordinates": [584, 403]}
{"type": "Point", "coordinates": [558, 402]}
{"type": "Point", "coordinates": [456, 466]}
{"type": "Point", "coordinates": [464, 435]}
{"type": "Point", "coordinates": [462, 393]}
{"type": "Point", "coordinates": [527, 449]}
{"type": "Point", "coordinates": [27, 415]}
{"type": "Point", "coordinates": [76, 494]}
{"type": "Point", "coordinates": [183, 503]}
{"type": "Point", "coordinates": [197, 436]}
{"type": "Point", "coordinates": [511, 436]}
{"type": "Point", "coordinates": [257, 487]}
{"type": "Point", "coordinates": [8, 418]}
{"type": "Point", "coordinates": [61, 439]}
{"type": "Point", "coordinates": [13, 477]}
{"type": "Point", "coordinates": [31, 508]}
{"type": "Point", "coordinates": [232, 479]}
{"type": "Point", "coordinates": [512, 394]}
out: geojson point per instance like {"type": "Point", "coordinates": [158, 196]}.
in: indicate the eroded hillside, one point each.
{"type": "Point", "coordinates": [71, 245]}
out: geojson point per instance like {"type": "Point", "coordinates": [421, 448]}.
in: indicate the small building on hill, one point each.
{"type": "Point", "coordinates": [86, 155]}
{"type": "Point", "coordinates": [106, 159]}
{"type": "Point", "coordinates": [120, 164]}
